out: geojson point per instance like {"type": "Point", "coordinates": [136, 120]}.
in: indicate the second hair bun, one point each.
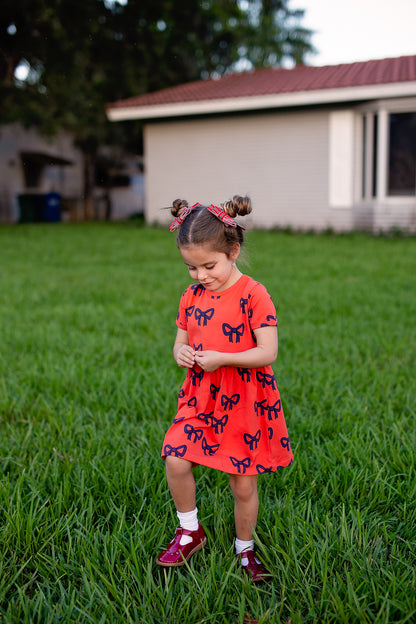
{"type": "Point", "coordinates": [238, 205]}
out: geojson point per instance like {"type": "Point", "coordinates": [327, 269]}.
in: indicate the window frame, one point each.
{"type": "Point", "coordinates": [373, 130]}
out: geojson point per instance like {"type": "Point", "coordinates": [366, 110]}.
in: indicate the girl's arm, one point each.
{"type": "Point", "coordinates": [264, 353]}
{"type": "Point", "coordinates": [183, 354]}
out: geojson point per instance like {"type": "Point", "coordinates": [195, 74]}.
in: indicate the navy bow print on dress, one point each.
{"type": "Point", "coordinates": [189, 312]}
{"type": "Point", "coordinates": [218, 424]}
{"type": "Point", "coordinates": [241, 465]}
{"type": "Point", "coordinates": [228, 402]}
{"type": "Point", "coordinates": [205, 417]}
{"type": "Point", "coordinates": [245, 374]}
{"type": "Point", "coordinates": [244, 303]}
{"type": "Point", "coordinates": [285, 442]}
{"type": "Point", "coordinates": [209, 449]}
{"type": "Point", "coordinates": [204, 315]}
{"type": "Point", "coordinates": [178, 451]}
{"type": "Point", "coordinates": [230, 331]}
{"type": "Point", "coordinates": [214, 390]}
{"type": "Point", "coordinates": [270, 319]}
{"type": "Point", "coordinates": [196, 376]}
{"type": "Point", "coordinates": [266, 380]}
{"type": "Point", "coordinates": [262, 407]}
{"type": "Point", "coordinates": [252, 441]}
{"type": "Point", "coordinates": [262, 470]}
{"type": "Point", "coordinates": [192, 433]}
{"type": "Point", "coordinates": [192, 402]}
{"type": "Point", "coordinates": [197, 289]}
{"type": "Point", "coordinates": [274, 410]}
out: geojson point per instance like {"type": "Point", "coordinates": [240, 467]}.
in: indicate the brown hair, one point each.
{"type": "Point", "coordinates": [201, 226]}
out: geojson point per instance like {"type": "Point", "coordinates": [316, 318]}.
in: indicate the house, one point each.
{"type": "Point", "coordinates": [314, 147]}
{"type": "Point", "coordinates": [42, 179]}
{"type": "Point", "coordinates": [33, 168]}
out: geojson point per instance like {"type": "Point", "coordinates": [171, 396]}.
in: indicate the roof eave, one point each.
{"type": "Point", "coordinates": [258, 102]}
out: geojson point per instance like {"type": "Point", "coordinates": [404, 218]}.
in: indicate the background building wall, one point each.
{"type": "Point", "coordinates": [280, 159]}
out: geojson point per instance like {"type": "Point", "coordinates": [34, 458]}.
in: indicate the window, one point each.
{"type": "Point", "coordinates": [402, 154]}
{"type": "Point", "coordinates": [388, 154]}
{"type": "Point", "coordinates": [374, 156]}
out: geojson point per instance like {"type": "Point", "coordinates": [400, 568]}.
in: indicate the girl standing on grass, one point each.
{"type": "Point", "coordinates": [229, 415]}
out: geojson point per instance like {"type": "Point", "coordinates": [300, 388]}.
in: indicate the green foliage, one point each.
{"type": "Point", "coordinates": [82, 54]}
{"type": "Point", "coordinates": [69, 48]}
{"type": "Point", "coordinates": [88, 387]}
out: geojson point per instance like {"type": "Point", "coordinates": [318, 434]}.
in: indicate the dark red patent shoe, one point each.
{"type": "Point", "coordinates": [177, 555]}
{"type": "Point", "coordinates": [254, 568]}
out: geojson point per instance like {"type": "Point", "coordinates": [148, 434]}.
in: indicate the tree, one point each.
{"type": "Point", "coordinates": [81, 54]}
{"type": "Point", "coordinates": [67, 47]}
{"type": "Point", "coordinates": [183, 40]}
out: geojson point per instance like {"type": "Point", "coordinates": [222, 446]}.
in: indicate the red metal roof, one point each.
{"type": "Point", "coordinates": [278, 81]}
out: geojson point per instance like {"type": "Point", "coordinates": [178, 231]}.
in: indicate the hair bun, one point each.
{"type": "Point", "coordinates": [177, 206]}
{"type": "Point", "coordinates": [238, 205]}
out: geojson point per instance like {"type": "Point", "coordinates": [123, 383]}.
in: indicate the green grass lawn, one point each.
{"type": "Point", "coordinates": [88, 387]}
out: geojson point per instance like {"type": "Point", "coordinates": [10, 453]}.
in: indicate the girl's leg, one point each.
{"type": "Point", "coordinates": [181, 483]}
{"type": "Point", "coordinates": [189, 536]}
{"type": "Point", "coordinates": [246, 507]}
{"type": "Point", "coordinates": [246, 504]}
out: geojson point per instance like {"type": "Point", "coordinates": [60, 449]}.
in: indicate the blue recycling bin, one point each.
{"type": "Point", "coordinates": [51, 207]}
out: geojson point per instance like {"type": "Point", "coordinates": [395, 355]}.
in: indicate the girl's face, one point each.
{"type": "Point", "coordinates": [213, 269]}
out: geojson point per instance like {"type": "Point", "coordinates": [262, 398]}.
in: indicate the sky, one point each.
{"type": "Point", "coordinates": [359, 30]}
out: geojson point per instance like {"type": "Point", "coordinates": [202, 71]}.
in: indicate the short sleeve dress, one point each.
{"type": "Point", "coordinates": [232, 418]}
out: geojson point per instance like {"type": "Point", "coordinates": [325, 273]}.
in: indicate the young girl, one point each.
{"type": "Point", "coordinates": [229, 415]}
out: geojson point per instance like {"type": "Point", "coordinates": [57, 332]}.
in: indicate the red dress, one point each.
{"type": "Point", "coordinates": [230, 419]}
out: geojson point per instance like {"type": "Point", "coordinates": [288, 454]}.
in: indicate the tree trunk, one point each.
{"type": "Point", "coordinates": [89, 159]}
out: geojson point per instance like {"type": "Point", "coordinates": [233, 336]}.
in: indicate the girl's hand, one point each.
{"type": "Point", "coordinates": [209, 360]}
{"type": "Point", "coordinates": [184, 356]}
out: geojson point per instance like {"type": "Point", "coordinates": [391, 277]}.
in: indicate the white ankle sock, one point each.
{"type": "Point", "coordinates": [189, 521]}
{"type": "Point", "coordinates": [241, 546]}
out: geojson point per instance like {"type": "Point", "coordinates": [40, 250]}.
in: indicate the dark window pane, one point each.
{"type": "Point", "coordinates": [364, 177]}
{"type": "Point", "coordinates": [375, 149]}
{"type": "Point", "coordinates": [402, 154]}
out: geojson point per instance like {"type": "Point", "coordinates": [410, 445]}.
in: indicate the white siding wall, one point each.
{"type": "Point", "coordinates": [280, 159]}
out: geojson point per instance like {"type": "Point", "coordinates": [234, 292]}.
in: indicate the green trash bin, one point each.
{"type": "Point", "coordinates": [30, 207]}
